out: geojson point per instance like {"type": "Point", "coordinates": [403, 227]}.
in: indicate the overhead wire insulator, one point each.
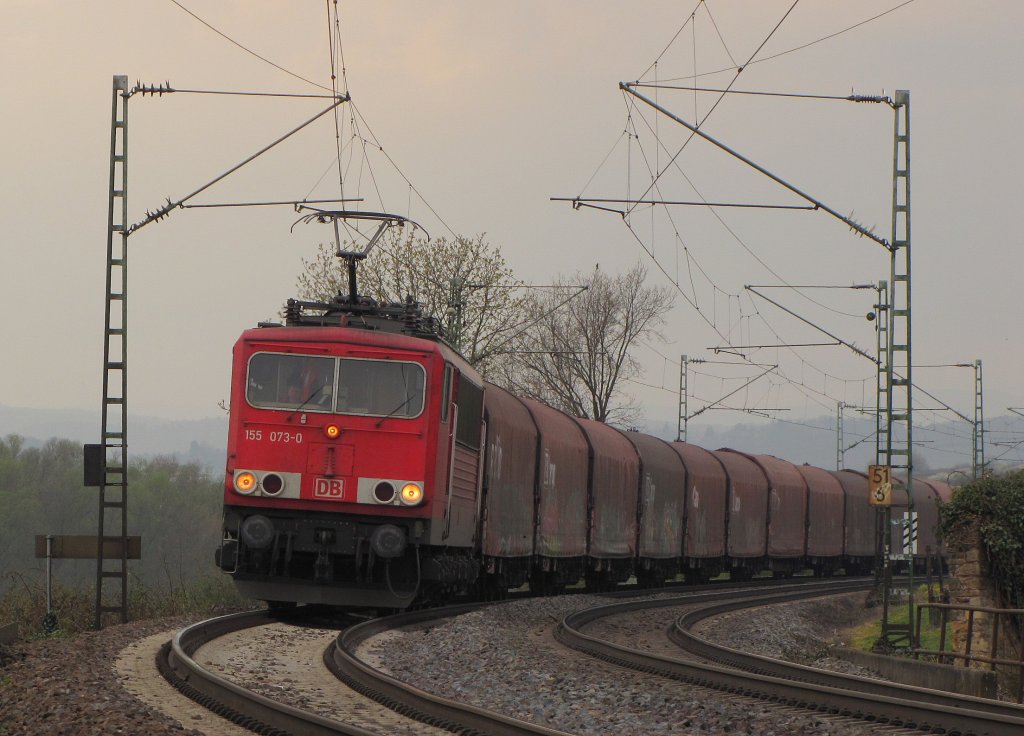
{"type": "Point", "coordinates": [878, 99]}
{"type": "Point", "coordinates": [151, 89]}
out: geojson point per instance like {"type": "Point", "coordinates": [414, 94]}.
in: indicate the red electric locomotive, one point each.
{"type": "Point", "coordinates": [370, 466]}
{"type": "Point", "coordinates": [354, 458]}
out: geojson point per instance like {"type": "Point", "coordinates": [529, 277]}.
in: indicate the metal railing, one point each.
{"type": "Point", "coordinates": [1012, 619]}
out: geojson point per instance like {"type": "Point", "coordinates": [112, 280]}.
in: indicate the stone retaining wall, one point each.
{"type": "Point", "coordinates": [971, 584]}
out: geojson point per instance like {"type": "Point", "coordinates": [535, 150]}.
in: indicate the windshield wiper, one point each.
{"type": "Point", "coordinates": [395, 410]}
{"type": "Point", "coordinates": [305, 403]}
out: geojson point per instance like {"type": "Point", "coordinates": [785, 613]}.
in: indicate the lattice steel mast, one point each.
{"type": "Point", "coordinates": [979, 424]}
{"type": "Point", "coordinates": [684, 412]}
{"type": "Point", "coordinates": [113, 491]}
{"type": "Point", "coordinates": [895, 448]}
{"type": "Point", "coordinates": [111, 462]}
{"type": "Point", "coordinates": [899, 429]}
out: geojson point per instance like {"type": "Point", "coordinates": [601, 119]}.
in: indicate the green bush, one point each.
{"type": "Point", "coordinates": [993, 506]}
{"type": "Point", "coordinates": [174, 507]}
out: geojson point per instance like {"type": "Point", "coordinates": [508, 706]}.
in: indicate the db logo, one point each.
{"type": "Point", "coordinates": [329, 488]}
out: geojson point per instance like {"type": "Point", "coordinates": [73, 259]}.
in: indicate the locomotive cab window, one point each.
{"type": "Point", "coordinates": [383, 388]}
{"type": "Point", "coordinates": [380, 388]}
{"type": "Point", "coordinates": [288, 381]}
{"type": "Point", "coordinates": [470, 402]}
{"type": "Point", "coordinates": [446, 392]}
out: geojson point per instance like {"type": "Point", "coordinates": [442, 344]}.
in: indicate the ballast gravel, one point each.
{"type": "Point", "coordinates": [504, 658]}
{"type": "Point", "coordinates": [805, 633]}
{"type": "Point", "coordinates": [68, 686]}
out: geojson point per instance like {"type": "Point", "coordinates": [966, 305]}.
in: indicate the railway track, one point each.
{"type": "Point", "coordinates": [223, 695]}
{"type": "Point", "coordinates": [777, 681]}
{"type": "Point", "coordinates": [219, 694]}
{"type": "Point", "coordinates": [705, 664]}
{"type": "Point", "coordinates": [391, 706]}
{"type": "Point", "coordinates": [343, 659]}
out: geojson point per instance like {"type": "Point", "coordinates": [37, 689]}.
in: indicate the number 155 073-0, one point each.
{"type": "Point", "coordinates": [276, 436]}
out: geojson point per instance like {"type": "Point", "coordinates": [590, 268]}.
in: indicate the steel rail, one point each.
{"type": "Point", "coordinates": [681, 634]}
{"type": "Point", "coordinates": [896, 704]}
{"type": "Point", "coordinates": [263, 715]}
{"type": "Point", "coordinates": [231, 701]}
{"type": "Point", "coordinates": [176, 664]}
{"type": "Point", "coordinates": [341, 658]}
{"type": "Point", "coordinates": [410, 701]}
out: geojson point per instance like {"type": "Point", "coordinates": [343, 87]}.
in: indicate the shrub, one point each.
{"type": "Point", "coordinates": [993, 506]}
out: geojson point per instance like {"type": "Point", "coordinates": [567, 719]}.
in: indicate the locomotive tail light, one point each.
{"type": "Point", "coordinates": [272, 484]}
{"type": "Point", "coordinates": [245, 482]}
{"type": "Point", "coordinates": [332, 431]}
{"type": "Point", "coordinates": [412, 494]}
{"type": "Point", "coordinates": [384, 492]}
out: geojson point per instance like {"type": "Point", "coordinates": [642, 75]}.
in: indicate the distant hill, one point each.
{"type": "Point", "coordinates": [203, 441]}
{"type": "Point", "coordinates": [940, 448]}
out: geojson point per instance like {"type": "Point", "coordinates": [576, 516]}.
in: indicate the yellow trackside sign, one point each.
{"type": "Point", "coordinates": [879, 485]}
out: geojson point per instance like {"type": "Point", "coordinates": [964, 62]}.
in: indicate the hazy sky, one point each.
{"type": "Point", "coordinates": [489, 110]}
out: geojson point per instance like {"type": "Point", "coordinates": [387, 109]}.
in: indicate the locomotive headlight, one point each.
{"type": "Point", "coordinates": [245, 482]}
{"type": "Point", "coordinates": [412, 494]}
{"type": "Point", "coordinates": [332, 431]}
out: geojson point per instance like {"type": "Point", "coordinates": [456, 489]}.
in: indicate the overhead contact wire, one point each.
{"type": "Point", "coordinates": [714, 106]}
{"type": "Point", "coordinates": [246, 49]}
{"type": "Point", "coordinates": [673, 162]}
{"type": "Point", "coordinates": [333, 37]}
{"type": "Point", "coordinates": [674, 37]}
{"type": "Point", "coordinates": [803, 46]}
{"type": "Point", "coordinates": [402, 174]}
{"type": "Point", "coordinates": [720, 37]}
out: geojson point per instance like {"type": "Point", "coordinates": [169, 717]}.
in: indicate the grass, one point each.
{"type": "Point", "coordinates": [74, 608]}
{"type": "Point", "coordinates": [865, 636]}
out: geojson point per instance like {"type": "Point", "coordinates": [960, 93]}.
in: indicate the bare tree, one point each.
{"type": "Point", "coordinates": [464, 282]}
{"type": "Point", "coordinates": [577, 352]}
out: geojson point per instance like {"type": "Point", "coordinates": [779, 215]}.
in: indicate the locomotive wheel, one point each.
{"type": "Point", "coordinates": [498, 587]}
{"type": "Point", "coordinates": [492, 588]}
{"type": "Point", "coordinates": [697, 576]}
{"type": "Point", "coordinates": [544, 583]}
{"type": "Point", "coordinates": [650, 579]}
